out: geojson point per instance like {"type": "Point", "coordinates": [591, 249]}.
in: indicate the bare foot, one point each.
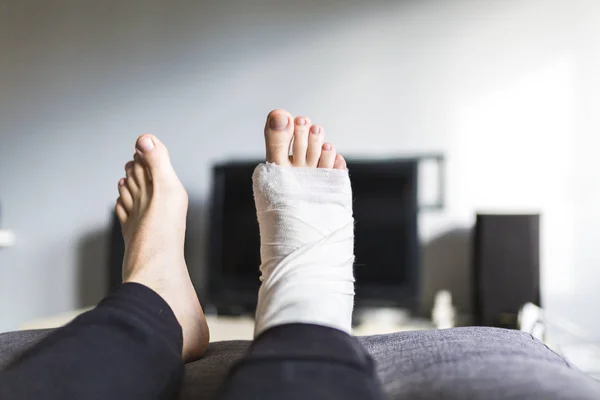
{"type": "Point", "coordinates": [308, 148]}
{"type": "Point", "coordinates": [152, 209]}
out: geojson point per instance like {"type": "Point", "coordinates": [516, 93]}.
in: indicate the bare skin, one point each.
{"type": "Point", "coordinates": [152, 209]}
{"type": "Point", "coordinates": [309, 148]}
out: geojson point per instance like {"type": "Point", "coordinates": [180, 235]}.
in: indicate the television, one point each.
{"type": "Point", "coordinates": [386, 236]}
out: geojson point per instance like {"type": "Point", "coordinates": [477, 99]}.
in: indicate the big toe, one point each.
{"type": "Point", "coordinates": [155, 156]}
{"type": "Point", "coordinates": [279, 131]}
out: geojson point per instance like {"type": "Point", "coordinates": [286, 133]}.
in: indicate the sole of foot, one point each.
{"type": "Point", "coordinates": [152, 209]}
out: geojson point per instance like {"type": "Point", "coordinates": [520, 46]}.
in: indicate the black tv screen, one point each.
{"type": "Point", "coordinates": [386, 237]}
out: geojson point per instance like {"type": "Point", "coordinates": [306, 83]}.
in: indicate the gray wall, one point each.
{"type": "Point", "coordinates": [507, 90]}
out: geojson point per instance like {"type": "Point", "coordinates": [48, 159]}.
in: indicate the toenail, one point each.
{"type": "Point", "coordinates": [121, 182]}
{"type": "Point", "coordinates": [129, 165]}
{"type": "Point", "coordinates": [145, 144]}
{"type": "Point", "coordinates": [315, 129]}
{"type": "Point", "coordinates": [301, 121]}
{"type": "Point", "coordinates": [327, 146]}
{"type": "Point", "coordinates": [278, 122]}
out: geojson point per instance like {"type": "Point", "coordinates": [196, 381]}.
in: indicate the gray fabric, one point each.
{"type": "Point", "coordinates": [461, 363]}
{"type": "Point", "coordinates": [474, 363]}
{"type": "Point", "coordinates": [14, 343]}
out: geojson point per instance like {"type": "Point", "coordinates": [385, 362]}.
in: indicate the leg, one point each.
{"type": "Point", "coordinates": [303, 349]}
{"type": "Point", "coordinates": [303, 361]}
{"type": "Point", "coordinates": [128, 347]}
{"type": "Point", "coordinates": [132, 345]}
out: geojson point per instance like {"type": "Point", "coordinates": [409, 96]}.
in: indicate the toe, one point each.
{"type": "Point", "coordinates": [126, 198]}
{"type": "Point", "coordinates": [340, 163]}
{"type": "Point", "coordinates": [130, 180]}
{"type": "Point", "coordinates": [315, 143]}
{"type": "Point", "coordinates": [139, 175]}
{"type": "Point", "coordinates": [279, 131]}
{"type": "Point", "coordinates": [120, 211]}
{"type": "Point", "coordinates": [327, 156]}
{"type": "Point", "coordinates": [300, 146]}
{"type": "Point", "coordinates": [155, 157]}
{"type": "Point", "coordinates": [145, 176]}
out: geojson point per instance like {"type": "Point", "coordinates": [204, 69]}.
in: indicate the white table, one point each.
{"type": "Point", "coordinates": [242, 328]}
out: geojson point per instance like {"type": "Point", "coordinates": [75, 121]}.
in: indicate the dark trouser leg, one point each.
{"type": "Point", "coordinates": [128, 347]}
{"type": "Point", "coordinates": [300, 361]}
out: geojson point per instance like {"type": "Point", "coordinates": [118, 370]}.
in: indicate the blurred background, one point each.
{"type": "Point", "coordinates": [507, 91]}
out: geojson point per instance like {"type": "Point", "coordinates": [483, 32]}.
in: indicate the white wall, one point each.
{"type": "Point", "coordinates": [507, 90]}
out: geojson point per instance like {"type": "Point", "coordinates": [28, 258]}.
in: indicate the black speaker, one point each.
{"type": "Point", "coordinates": [506, 265]}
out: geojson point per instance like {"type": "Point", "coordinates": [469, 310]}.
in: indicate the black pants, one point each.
{"type": "Point", "coordinates": [129, 347]}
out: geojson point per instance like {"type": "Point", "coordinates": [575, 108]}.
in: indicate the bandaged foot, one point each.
{"type": "Point", "coordinates": [304, 209]}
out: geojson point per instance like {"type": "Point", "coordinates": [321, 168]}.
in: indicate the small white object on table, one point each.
{"type": "Point", "coordinates": [7, 238]}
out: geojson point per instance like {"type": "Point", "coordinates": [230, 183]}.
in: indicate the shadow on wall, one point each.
{"type": "Point", "coordinates": [92, 273]}
{"type": "Point", "coordinates": [446, 265]}
{"type": "Point", "coordinates": [196, 246]}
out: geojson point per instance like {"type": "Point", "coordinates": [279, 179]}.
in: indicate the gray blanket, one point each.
{"type": "Point", "coordinates": [460, 363]}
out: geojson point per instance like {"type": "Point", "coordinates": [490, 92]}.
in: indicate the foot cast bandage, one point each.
{"type": "Point", "coordinates": [307, 247]}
